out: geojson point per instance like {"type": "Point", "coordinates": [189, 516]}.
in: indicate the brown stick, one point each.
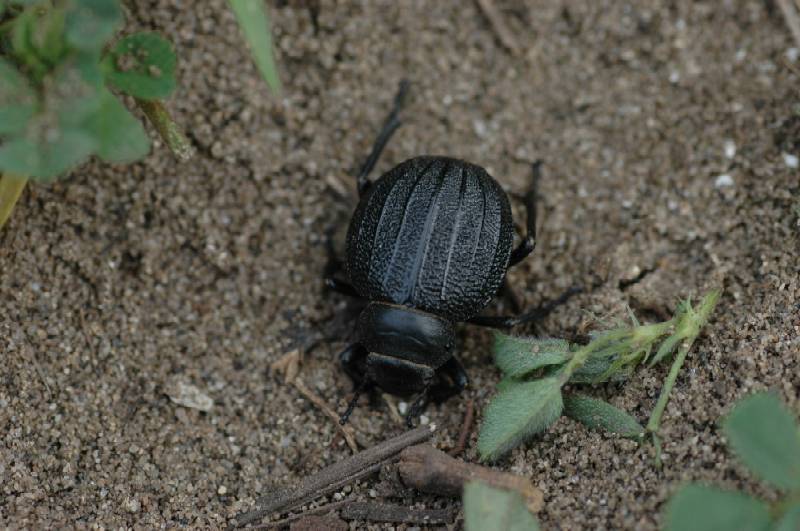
{"type": "Point", "coordinates": [170, 132]}
{"type": "Point", "coordinates": [336, 476]}
{"type": "Point", "coordinates": [465, 429]}
{"type": "Point", "coordinates": [317, 510]}
{"type": "Point", "coordinates": [383, 512]}
{"type": "Point", "coordinates": [499, 26]}
{"type": "Point", "coordinates": [347, 431]}
{"type": "Point", "coordinates": [792, 19]}
{"type": "Point", "coordinates": [427, 469]}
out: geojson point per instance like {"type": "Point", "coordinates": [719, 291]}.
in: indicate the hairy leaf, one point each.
{"type": "Point", "coordinates": [17, 104]}
{"type": "Point", "coordinates": [253, 20]}
{"type": "Point", "coordinates": [699, 508]}
{"type": "Point", "coordinates": [519, 356]}
{"type": "Point", "coordinates": [600, 415]}
{"type": "Point", "coordinates": [764, 435]}
{"type": "Point", "coordinates": [142, 65]}
{"type": "Point", "coordinates": [91, 23]}
{"type": "Point", "coordinates": [120, 137]}
{"type": "Point", "coordinates": [486, 508]}
{"type": "Point", "coordinates": [45, 158]}
{"type": "Point", "coordinates": [790, 521]}
{"type": "Point", "coordinates": [518, 412]}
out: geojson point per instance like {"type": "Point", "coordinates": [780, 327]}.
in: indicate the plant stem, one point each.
{"type": "Point", "coordinates": [166, 127]}
{"type": "Point", "coordinates": [11, 187]}
{"type": "Point", "coordinates": [698, 319]}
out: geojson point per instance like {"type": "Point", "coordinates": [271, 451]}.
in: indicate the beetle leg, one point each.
{"type": "Point", "coordinates": [452, 379]}
{"type": "Point", "coordinates": [352, 360]}
{"type": "Point", "coordinates": [389, 127]}
{"type": "Point", "coordinates": [509, 321]}
{"type": "Point", "coordinates": [341, 286]}
{"type": "Point", "coordinates": [528, 243]}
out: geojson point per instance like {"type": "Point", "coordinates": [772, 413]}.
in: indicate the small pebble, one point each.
{"type": "Point", "coordinates": [373, 493]}
{"type": "Point", "coordinates": [723, 181]}
{"type": "Point", "coordinates": [791, 160]}
{"type": "Point", "coordinates": [222, 490]}
{"type": "Point", "coordinates": [792, 54]}
{"type": "Point", "coordinates": [424, 420]}
{"type": "Point", "coordinates": [730, 149]}
{"type": "Point", "coordinates": [402, 407]}
{"type": "Point", "coordinates": [132, 505]}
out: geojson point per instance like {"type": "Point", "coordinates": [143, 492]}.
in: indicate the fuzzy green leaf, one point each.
{"type": "Point", "coordinates": [47, 158]}
{"type": "Point", "coordinates": [142, 65]}
{"type": "Point", "coordinates": [517, 357]}
{"type": "Point", "coordinates": [486, 507]}
{"type": "Point", "coordinates": [667, 347]}
{"type": "Point", "coordinates": [253, 21]}
{"type": "Point", "coordinates": [699, 508]}
{"type": "Point", "coordinates": [517, 413]}
{"type": "Point", "coordinates": [120, 137]}
{"type": "Point", "coordinates": [790, 521]}
{"type": "Point", "coordinates": [91, 23]}
{"type": "Point", "coordinates": [600, 415]}
{"type": "Point", "coordinates": [598, 369]}
{"type": "Point", "coordinates": [764, 435]}
{"type": "Point", "coordinates": [17, 105]}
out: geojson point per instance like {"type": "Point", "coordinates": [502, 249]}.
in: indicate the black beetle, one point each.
{"type": "Point", "coordinates": [428, 246]}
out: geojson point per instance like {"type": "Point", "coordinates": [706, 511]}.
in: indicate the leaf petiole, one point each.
{"type": "Point", "coordinates": [11, 187]}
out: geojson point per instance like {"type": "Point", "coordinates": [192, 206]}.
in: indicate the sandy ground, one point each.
{"type": "Point", "coordinates": [119, 283]}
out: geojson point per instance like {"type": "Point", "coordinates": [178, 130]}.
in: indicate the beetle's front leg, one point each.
{"type": "Point", "coordinates": [451, 380]}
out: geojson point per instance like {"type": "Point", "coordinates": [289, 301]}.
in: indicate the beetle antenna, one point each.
{"type": "Point", "coordinates": [353, 402]}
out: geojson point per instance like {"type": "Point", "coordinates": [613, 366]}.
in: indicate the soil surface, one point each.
{"type": "Point", "coordinates": [668, 131]}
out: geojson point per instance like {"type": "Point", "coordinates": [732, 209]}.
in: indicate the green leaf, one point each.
{"type": "Point", "coordinates": [47, 35]}
{"type": "Point", "coordinates": [600, 415]}
{"type": "Point", "coordinates": [91, 23]}
{"type": "Point", "coordinates": [790, 521]}
{"type": "Point", "coordinates": [519, 356]}
{"type": "Point", "coordinates": [699, 508]}
{"type": "Point", "coordinates": [667, 347]}
{"type": "Point", "coordinates": [598, 369]}
{"type": "Point", "coordinates": [253, 21]}
{"type": "Point", "coordinates": [486, 508]}
{"type": "Point", "coordinates": [17, 104]}
{"type": "Point", "coordinates": [764, 435]}
{"type": "Point", "coordinates": [142, 65]}
{"type": "Point", "coordinates": [44, 160]}
{"type": "Point", "coordinates": [517, 413]}
{"type": "Point", "coordinates": [120, 137]}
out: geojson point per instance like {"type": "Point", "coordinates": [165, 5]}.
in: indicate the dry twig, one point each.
{"type": "Point", "coordinates": [789, 10]}
{"type": "Point", "coordinates": [499, 26]}
{"type": "Point", "coordinates": [466, 427]}
{"type": "Point", "coordinates": [336, 476]}
{"type": "Point", "coordinates": [427, 469]}
{"type": "Point", "coordinates": [346, 430]}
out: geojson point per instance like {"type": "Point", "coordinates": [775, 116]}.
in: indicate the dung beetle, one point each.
{"type": "Point", "coordinates": [428, 246]}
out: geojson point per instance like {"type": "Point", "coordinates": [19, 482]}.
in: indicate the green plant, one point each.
{"type": "Point", "coordinates": [765, 436]}
{"type": "Point", "coordinates": [254, 22]}
{"type": "Point", "coordinates": [530, 396]}
{"type": "Point", "coordinates": [57, 69]}
{"type": "Point", "coordinates": [486, 507]}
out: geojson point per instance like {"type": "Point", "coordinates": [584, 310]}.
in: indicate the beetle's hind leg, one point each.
{"type": "Point", "coordinates": [528, 243]}
{"type": "Point", "coordinates": [389, 127]}
{"type": "Point", "coordinates": [537, 314]}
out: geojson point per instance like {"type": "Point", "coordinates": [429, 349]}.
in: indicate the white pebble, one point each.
{"type": "Point", "coordinates": [424, 420]}
{"type": "Point", "coordinates": [792, 54]}
{"type": "Point", "coordinates": [675, 76]}
{"type": "Point", "coordinates": [222, 490]}
{"type": "Point", "coordinates": [338, 496]}
{"type": "Point", "coordinates": [730, 149]}
{"type": "Point", "coordinates": [373, 493]}
{"type": "Point", "coordinates": [791, 160]}
{"type": "Point", "coordinates": [723, 181]}
{"type": "Point", "coordinates": [402, 407]}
